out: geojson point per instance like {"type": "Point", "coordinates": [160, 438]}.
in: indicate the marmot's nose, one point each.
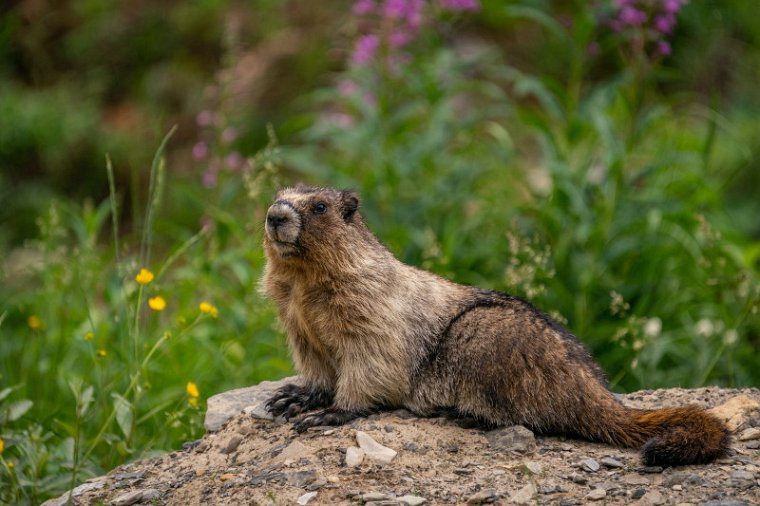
{"type": "Point", "coordinates": [275, 218]}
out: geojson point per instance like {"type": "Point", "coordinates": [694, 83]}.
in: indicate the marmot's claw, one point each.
{"type": "Point", "coordinates": [329, 416]}
{"type": "Point", "coordinates": [288, 401]}
{"type": "Point", "coordinates": [292, 400]}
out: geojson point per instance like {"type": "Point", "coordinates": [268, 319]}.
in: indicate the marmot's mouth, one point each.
{"type": "Point", "coordinates": [284, 248]}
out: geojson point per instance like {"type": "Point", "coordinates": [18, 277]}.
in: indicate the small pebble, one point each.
{"type": "Point", "coordinates": [651, 469]}
{"type": "Point", "coordinates": [638, 493]}
{"type": "Point", "coordinates": [589, 465]}
{"type": "Point", "coordinates": [411, 500]}
{"type": "Point", "coordinates": [484, 496]}
{"type": "Point", "coordinates": [304, 499]}
{"type": "Point", "coordinates": [596, 495]}
{"type": "Point", "coordinates": [610, 462]}
{"type": "Point", "coordinates": [750, 434]}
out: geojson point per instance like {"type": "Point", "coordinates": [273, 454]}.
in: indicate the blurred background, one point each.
{"type": "Point", "coordinates": [599, 158]}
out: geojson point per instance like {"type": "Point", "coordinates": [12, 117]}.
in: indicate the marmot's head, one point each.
{"type": "Point", "coordinates": [308, 223]}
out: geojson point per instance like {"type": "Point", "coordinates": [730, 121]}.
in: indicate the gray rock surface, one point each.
{"type": "Point", "coordinates": [249, 460]}
{"type": "Point", "coordinates": [222, 407]}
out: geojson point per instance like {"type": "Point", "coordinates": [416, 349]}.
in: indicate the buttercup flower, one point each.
{"type": "Point", "coordinates": [144, 276]}
{"type": "Point", "coordinates": [208, 308]}
{"type": "Point", "coordinates": [2, 446]}
{"type": "Point", "coordinates": [34, 322]}
{"type": "Point", "coordinates": [102, 353]}
{"type": "Point", "coordinates": [157, 303]}
{"type": "Point", "coordinates": [192, 389]}
{"type": "Point", "coordinates": [89, 336]}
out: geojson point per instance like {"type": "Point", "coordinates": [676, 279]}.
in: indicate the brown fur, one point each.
{"type": "Point", "coordinates": [368, 331]}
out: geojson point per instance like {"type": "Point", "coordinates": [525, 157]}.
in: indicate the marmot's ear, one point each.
{"type": "Point", "coordinates": [350, 201]}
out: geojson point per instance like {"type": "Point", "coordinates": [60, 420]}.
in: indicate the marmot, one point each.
{"type": "Point", "coordinates": [367, 332]}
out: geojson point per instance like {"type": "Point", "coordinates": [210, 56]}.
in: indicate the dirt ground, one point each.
{"type": "Point", "coordinates": [256, 461]}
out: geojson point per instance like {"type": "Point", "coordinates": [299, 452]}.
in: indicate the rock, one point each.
{"type": "Point", "coordinates": [534, 467]}
{"type": "Point", "coordinates": [483, 497]}
{"type": "Point", "coordinates": [228, 476]}
{"type": "Point", "coordinates": [653, 498]}
{"type": "Point", "coordinates": [304, 499]}
{"type": "Point", "coordinates": [636, 479]}
{"type": "Point", "coordinates": [222, 407]}
{"type": "Point", "coordinates": [354, 456]}
{"type": "Point", "coordinates": [610, 462]}
{"type": "Point", "coordinates": [301, 478]}
{"type": "Point", "coordinates": [742, 475]}
{"type": "Point", "coordinates": [373, 449]}
{"type": "Point", "coordinates": [232, 444]}
{"type": "Point", "coordinates": [88, 486]}
{"type": "Point", "coordinates": [411, 500]}
{"type": "Point", "coordinates": [525, 495]}
{"type": "Point", "coordinates": [638, 493]}
{"type": "Point", "coordinates": [516, 439]}
{"type": "Point", "coordinates": [128, 498]}
{"type": "Point", "coordinates": [551, 488]}
{"type": "Point", "coordinates": [596, 495]}
{"type": "Point", "coordinates": [737, 411]}
{"type": "Point", "coordinates": [683, 479]}
{"type": "Point", "coordinates": [294, 451]}
{"type": "Point", "coordinates": [652, 469]}
{"type": "Point", "coordinates": [374, 496]}
{"type": "Point", "coordinates": [589, 465]}
{"type": "Point", "coordinates": [150, 494]}
{"type": "Point", "coordinates": [578, 478]}
{"type": "Point", "coordinates": [750, 434]}
{"type": "Point", "coordinates": [753, 445]}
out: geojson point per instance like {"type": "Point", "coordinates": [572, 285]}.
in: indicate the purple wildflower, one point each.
{"type": "Point", "coordinates": [363, 7]}
{"type": "Point", "coordinates": [663, 48]}
{"type": "Point", "coordinates": [200, 150]}
{"type": "Point", "coordinates": [632, 16]}
{"type": "Point", "coordinates": [211, 175]}
{"type": "Point", "coordinates": [460, 5]}
{"type": "Point", "coordinates": [665, 23]}
{"type": "Point", "coordinates": [204, 118]}
{"type": "Point", "coordinates": [229, 135]}
{"type": "Point", "coordinates": [234, 160]}
{"type": "Point", "coordinates": [365, 49]}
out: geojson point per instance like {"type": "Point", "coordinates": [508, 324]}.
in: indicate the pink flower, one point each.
{"type": "Point", "coordinates": [363, 7]}
{"type": "Point", "coordinates": [347, 87]}
{"type": "Point", "coordinates": [665, 23]}
{"type": "Point", "coordinates": [460, 5]}
{"type": "Point", "coordinates": [229, 135]}
{"type": "Point", "coordinates": [204, 118]}
{"type": "Point", "coordinates": [673, 6]}
{"type": "Point", "coordinates": [663, 48]}
{"type": "Point", "coordinates": [234, 160]}
{"type": "Point", "coordinates": [200, 150]}
{"type": "Point", "coordinates": [365, 49]}
{"type": "Point", "coordinates": [632, 16]}
{"type": "Point", "coordinates": [400, 38]}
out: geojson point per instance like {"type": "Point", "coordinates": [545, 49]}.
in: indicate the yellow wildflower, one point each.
{"type": "Point", "coordinates": [193, 402]}
{"type": "Point", "coordinates": [2, 446]}
{"type": "Point", "coordinates": [144, 276]}
{"type": "Point", "coordinates": [11, 465]}
{"type": "Point", "coordinates": [157, 303]}
{"type": "Point", "coordinates": [210, 309]}
{"type": "Point", "coordinates": [89, 336]}
{"type": "Point", "coordinates": [192, 389]}
{"type": "Point", "coordinates": [34, 322]}
{"type": "Point", "coordinates": [102, 353]}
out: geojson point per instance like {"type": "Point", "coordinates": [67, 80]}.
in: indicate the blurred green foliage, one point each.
{"type": "Point", "coordinates": [525, 147]}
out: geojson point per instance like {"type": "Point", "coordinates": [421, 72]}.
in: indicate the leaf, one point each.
{"type": "Point", "coordinates": [5, 392]}
{"type": "Point", "coordinates": [85, 400]}
{"type": "Point", "coordinates": [18, 409]}
{"type": "Point", "coordinates": [124, 416]}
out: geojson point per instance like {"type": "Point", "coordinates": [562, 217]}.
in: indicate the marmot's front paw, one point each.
{"type": "Point", "coordinates": [293, 399]}
{"type": "Point", "coordinates": [329, 416]}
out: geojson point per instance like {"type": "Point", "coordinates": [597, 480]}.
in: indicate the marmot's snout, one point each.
{"type": "Point", "coordinates": [283, 224]}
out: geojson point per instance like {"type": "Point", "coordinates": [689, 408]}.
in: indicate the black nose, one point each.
{"type": "Point", "coordinates": [274, 219]}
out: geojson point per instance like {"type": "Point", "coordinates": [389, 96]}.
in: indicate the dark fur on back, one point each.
{"type": "Point", "coordinates": [367, 331]}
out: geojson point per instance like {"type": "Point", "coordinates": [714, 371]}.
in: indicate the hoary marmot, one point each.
{"type": "Point", "coordinates": [367, 331]}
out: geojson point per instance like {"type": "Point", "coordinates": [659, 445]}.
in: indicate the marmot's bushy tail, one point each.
{"type": "Point", "coordinates": [681, 436]}
{"type": "Point", "coordinates": [671, 436]}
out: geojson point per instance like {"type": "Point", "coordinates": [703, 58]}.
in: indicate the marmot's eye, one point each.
{"type": "Point", "coordinates": [319, 208]}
